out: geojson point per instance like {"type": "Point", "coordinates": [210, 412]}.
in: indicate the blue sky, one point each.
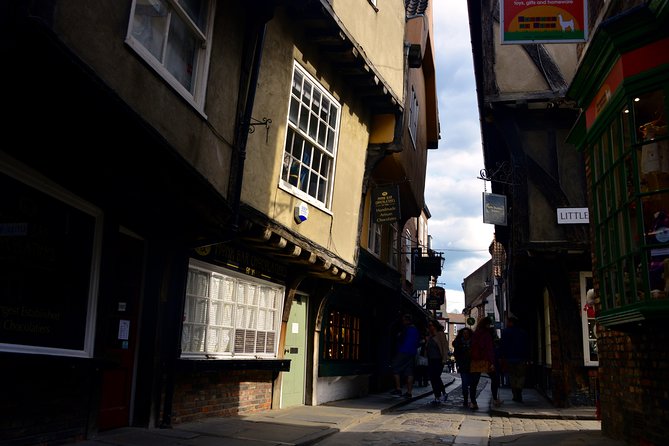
{"type": "Point", "coordinates": [453, 191]}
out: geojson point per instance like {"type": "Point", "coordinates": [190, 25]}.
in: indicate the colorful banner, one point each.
{"type": "Point", "coordinates": [543, 21]}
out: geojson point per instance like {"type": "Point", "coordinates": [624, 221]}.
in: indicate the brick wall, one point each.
{"type": "Point", "coordinates": [634, 384]}
{"type": "Point", "coordinates": [220, 394]}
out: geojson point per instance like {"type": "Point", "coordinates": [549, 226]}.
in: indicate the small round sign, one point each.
{"type": "Point", "coordinates": [471, 321]}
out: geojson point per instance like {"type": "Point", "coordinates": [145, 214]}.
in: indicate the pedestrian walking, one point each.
{"type": "Point", "coordinates": [515, 349]}
{"type": "Point", "coordinates": [437, 355]}
{"type": "Point", "coordinates": [483, 357]}
{"type": "Point", "coordinates": [462, 352]}
{"type": "Point", "coordinates": [421, 377]}
{"type": "Point", "coordinates": [404, 361]}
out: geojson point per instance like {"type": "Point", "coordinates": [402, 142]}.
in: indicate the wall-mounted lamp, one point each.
{"type": "Point", "coordinates": [301, 213]}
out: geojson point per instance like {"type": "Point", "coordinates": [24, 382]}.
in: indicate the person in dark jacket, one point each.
{"type": "Point", "coordinates": [515, 348]}
{"type": "Point", "coordinates": [437, 352]}
{"type": "Point", "coordinates": [462, 353]}
{"type": "Point", "coordinates": [405, 358]}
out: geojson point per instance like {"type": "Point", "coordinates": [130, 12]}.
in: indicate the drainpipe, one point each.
{"type": "Point", "coordinates": [251, 57]}
{"type": "Point", "coordinates": [254, 40]}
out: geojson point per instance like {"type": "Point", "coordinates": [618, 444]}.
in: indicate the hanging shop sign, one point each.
{"type": "Point", "coordinates": [543, 21]}
{"type": "Point", "coordinates": [436, 298]}
{"type": "Point", "coordinates": [386, 201]}
{"type": "Point", "coordinates": [494, 209]}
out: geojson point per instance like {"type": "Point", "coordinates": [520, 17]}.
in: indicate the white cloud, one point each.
{"type": "Point", "coordinates": [453, 191]}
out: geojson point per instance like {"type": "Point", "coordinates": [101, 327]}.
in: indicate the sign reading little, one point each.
{"type": "Point", "coordinates": [572, 215]}
{"type": "Point", "coordinates": [386, 204]}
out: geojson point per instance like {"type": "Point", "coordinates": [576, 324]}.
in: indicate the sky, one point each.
{"type": "Point", "coordinates": [453, 192]}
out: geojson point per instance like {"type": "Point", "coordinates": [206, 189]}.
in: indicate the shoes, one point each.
{"type": "Point", "coordinates": [474, 406]}
{"type": "Point", "coordinates": [435, 403]}
{"type": "Point", "coordinates": [396, 392]}
{"type": "Point", "coordinates": [444, 397]}
{"type": "Point", "coordinates": [497, 402]}
{"type": "Point", "coordinates": [407, 395]}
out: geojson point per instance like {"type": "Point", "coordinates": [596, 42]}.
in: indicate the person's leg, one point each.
{"type": "Point", "coordinates": [475, 377]}
{"type": "Point", "coordinates": [434, 378]}
{"type": "Point", "coordinates": [410, 384]}
{"type": "Point", "coordinates": [494, 384]}
{"type": "Point", "coordinates": [442, 387]}
{"type": "Point", "coordinates": [520, 381]}
{"type": "Point", "coordinates": [517, 378]}
{"type": "Point", "coordinates": [466, 380]}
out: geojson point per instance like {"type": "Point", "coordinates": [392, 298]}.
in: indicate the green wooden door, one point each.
{"type": "Point", "coordinates": [293, 382]}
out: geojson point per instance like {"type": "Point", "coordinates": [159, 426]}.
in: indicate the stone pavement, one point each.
{"type": "Point", "coordinates": [534, 422]}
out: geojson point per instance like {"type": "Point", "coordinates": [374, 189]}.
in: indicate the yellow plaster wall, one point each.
{"type": "Point", "coordinates": [379, 33]}
{"type": "Point", "coordinates": [334, 229]}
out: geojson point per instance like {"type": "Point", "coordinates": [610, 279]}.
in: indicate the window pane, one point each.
{"type": "Point", "coordinates": [197, 11]}
{"type": "Point", "coordinates": [232, 304]}
{"type": "Point", "coordinates": [149, 26]}
{"type": "Point", "coordinates": [180, 59]}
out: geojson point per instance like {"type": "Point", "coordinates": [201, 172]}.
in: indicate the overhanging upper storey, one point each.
{"type": "Point", "coordinates": [325, 29]}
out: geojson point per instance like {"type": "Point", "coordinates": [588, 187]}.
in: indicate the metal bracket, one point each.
{"type": "Point", "coordinates": [503, 173]}
{"type": "Point", "coordinates": [265, 121]}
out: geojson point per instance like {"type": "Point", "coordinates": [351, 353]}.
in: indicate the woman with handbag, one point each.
{"type": "Point", "coordinates": [483, 358]}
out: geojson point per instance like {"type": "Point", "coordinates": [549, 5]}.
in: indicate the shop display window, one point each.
{"type": "Point", "coordinates": [630, 173]}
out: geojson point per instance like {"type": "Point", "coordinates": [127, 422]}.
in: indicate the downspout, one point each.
{"type": "Point", "coordinates": [254, 41]}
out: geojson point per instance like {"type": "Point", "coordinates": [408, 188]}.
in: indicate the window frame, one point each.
{"type": "Point", "coordinates": [239, 279]}
{"type": "Point", "coordinates": [196, 98]}
{"type": "Point", "coordinates": [32, 179]}
{"type": "Point", "coordinates": [393, 252]}
{"type": "Point", "coordinates": [343, 330]}
{"type": "Point", "coordinates": [587, 322]}
{"type": "Point", "coordinates": [375, 237]}
{"type": "Point", "coordinates": [622, 208]}
{"type": "Point", "coordinates": [293, 131]}
{"type": "Point", "coordinates": [548, 346]}
{"type": "Point", "coordinates": [407, 247]}
{"type": "Point", "coordinates": [414, 111]}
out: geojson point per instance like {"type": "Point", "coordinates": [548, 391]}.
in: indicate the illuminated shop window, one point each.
{"type": "Point", "coordinates": [588, 320]}
{"type": "Point", "coordinates": [629, 161]}
{"type": "Point", "coordinates": [342, 336]}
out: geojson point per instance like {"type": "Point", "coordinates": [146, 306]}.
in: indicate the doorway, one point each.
{"type": "Point", "coordinates": [121, 330]}
{"type": "Point", "coordinates": [293, 382]}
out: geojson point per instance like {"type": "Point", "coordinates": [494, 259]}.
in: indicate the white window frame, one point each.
{"type": "Point", "coordinates": [243, 318]}
{"type": "Point", "coordinates": [407, 248]}
{"type": "Point", "coordinates": [304, 175]}
{"type": "Point", "coordinates": [200, 32]}
{"type": "Point", "coordinates": [375, 236]}
{"type": "Point", "coordinates": [35, 180]}
{"type": "Point", "coordinates": [413, 117]}
{"type": "Point", "coordinates": [393, 252]}
{"type": "Point", "coordinates": [588, 324]}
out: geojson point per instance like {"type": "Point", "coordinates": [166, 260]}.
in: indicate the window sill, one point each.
{"type": "Point", "coordinates": [199, 365]}
{"type": "Point", "coordinates": [631, 316]}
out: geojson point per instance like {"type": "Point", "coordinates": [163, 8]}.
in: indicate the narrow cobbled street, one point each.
{"type": "Point", "coordinates": [421, 423]}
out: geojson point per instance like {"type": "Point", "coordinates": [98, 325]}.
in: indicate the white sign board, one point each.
{"type": "Point", "coordinates": [567, 216]}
